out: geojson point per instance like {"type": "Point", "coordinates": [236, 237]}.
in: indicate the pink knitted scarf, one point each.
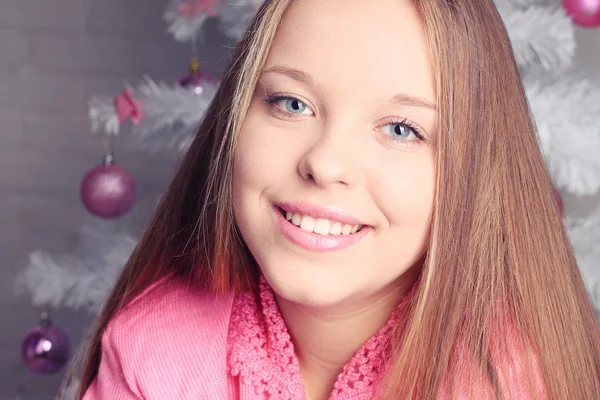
{"type": "Point", "coordinates": [261, 352]}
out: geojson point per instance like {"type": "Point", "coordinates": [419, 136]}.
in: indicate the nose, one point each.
{"type": "Point", "coordinates": [331, 160]}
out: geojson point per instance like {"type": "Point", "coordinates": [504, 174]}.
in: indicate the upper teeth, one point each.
{"type": "Point", "coordinates": [320, 225]}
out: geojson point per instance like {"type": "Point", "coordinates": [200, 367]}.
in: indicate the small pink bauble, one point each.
{"type": "Point", "coordinates": [108, 190]}
{"type": "Point", "coordinates": [195, 80]}
{"type": "Point", "coordinates": [583, 12]}
{"type": "Point", "coordinates": [45, 348]}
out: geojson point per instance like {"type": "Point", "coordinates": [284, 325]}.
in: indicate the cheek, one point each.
{"type": "Point", "coordinates": [263, 163]}
{"type": "Point", "coordinates": [250, 177]}
{"type": "Point", "coordinates": [405, 194]}
{"type": "Point", "coordinates": [253, 159]}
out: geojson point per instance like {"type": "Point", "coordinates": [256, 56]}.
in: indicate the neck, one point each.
{"type": "Point", "coordinates": [326, 338]}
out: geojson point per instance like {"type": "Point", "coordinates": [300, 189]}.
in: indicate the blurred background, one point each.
{"type": "Point", "coordinates": [68, 66]}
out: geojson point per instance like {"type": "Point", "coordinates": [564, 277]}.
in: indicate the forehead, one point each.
{"type": "Point", "coordinates": [367, 47]}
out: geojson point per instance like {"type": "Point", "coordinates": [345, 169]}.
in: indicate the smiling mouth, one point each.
{"type": "Point", "coordinates": [320, 226]}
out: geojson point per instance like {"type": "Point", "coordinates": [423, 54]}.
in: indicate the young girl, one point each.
{"type": "Point", "coordinates": [364, 213]}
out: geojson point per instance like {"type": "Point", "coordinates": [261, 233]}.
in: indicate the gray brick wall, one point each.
{"type": "Point", "coordinates": [55, 55]}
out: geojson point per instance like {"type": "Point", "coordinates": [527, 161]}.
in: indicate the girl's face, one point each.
{"type": "Point", "coordinates": [333, 184]}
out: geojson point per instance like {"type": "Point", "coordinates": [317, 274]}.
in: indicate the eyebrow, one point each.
{"type": "Point", "coordinates": [301, 76]}
{"type": "Point", "coordinates": [412, 101]}
{"type": "Point", "coordinates": [292, 73]}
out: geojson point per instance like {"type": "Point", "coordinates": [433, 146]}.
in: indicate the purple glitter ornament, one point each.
{"type": "Point", "coordinates": [45, 348]}
{"type": "Point", "coordinates": [585, 13]}
{"type": "Point", "coordinates": [195, 79]}
{"type": "Point", "coordinates": [108, 190]}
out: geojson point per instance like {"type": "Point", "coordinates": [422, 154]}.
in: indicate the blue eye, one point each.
{"type": "Point", "coordinates": [294, 106]}
{"type": "Point", "coordinates": [289, 104]}
{"type": "Point", "coordinates": [402, 131]}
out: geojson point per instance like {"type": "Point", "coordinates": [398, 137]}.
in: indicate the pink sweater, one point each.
{"type": "Point", "coordinates": [174, 342]}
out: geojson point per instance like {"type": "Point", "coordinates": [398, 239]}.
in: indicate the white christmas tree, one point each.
{"type": "Point", "coordinates": [566, 110]}
{"type": "Point", "coordinates": [166, 116]}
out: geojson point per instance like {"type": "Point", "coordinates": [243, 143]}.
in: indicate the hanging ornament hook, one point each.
{"type": "Point", "coordinates": [106, 144]}
{"type": "Point", "coordinates": [45, 317]}
{"type": "Point", "coordinates": [194, 65]}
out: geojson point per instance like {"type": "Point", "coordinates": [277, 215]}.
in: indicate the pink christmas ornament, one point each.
{"type": "Point", "coordinates": [195, 81]}
{"type": "Point", "coordinates": [192, 8]}
{"type": "Point", "coordinates": [585, 13]}
{"type": "Point", "coordinates": [45, 348]}
{"type": "Point", "coordinates": [108, 191]}
{"type": "Point", "coordinates": [195, 78]}
{"type": "Point", "coordinates": [128, 107]}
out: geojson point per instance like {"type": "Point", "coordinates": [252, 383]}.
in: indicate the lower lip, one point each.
{"type": "Point", "coordinates": [315, 242]}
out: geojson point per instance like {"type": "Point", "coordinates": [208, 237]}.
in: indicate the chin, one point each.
{"type": "Point", "coordinates": [316, 287]}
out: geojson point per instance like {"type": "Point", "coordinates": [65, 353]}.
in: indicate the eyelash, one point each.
{"type": "Point", "coordinates": [271, 100]}
{"type": "Point", "coordinates": [411, 125]}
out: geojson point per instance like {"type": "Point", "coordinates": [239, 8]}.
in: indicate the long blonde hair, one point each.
{"type": "Point", "coordinates": [499, 257]}
{"type": "Point", "coordinates": [498, 253]}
